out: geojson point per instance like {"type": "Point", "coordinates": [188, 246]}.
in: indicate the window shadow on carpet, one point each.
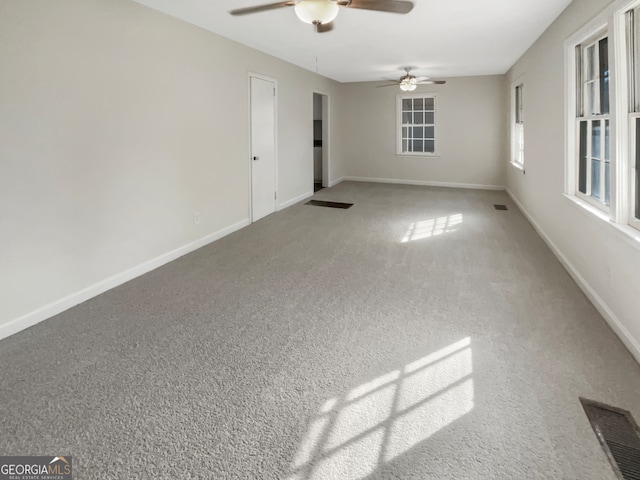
{"type": "Point", "coordinates": [376, 422]}
{"type": "Point", "coordinates": [432, 227]}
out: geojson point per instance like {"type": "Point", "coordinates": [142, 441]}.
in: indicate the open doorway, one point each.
{"type": "Point", "coordinates": [320, 141]}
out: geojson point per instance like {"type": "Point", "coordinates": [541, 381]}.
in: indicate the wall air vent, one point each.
{"type": "Point", "coordinates": [322, 203]}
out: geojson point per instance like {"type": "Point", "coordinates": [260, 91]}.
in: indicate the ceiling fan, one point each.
{"type": "Point", "coordinates": [321, 13]}
{"type": "Point", "coordinates": [409, 82]}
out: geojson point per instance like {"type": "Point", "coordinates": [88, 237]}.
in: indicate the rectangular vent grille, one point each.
{"type": "Point", "coordinates": [322, 203]}
{"type": "Point", "coordinates": [500, 207]}
{"type": "Point", "coordinates": [618, 434]}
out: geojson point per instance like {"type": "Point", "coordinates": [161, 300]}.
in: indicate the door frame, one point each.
{"type": "Point", "coordinates": [275, 140]}
{"type": "Point", "coordinates": [326, 158]}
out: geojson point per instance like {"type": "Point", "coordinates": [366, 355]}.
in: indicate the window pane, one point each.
{"type": "Point", "coordinates": [429, 103]}
{"type": "Point", "coordinates": [405, 147]}
{"type": "Point", "coordinates": [429, 146]}
{"type": "Point", "coordinates": [607, 142]}
{"type": "Point", "coordinates": [418, 104]}
{"type": "Point", "coordinates": [595, 140]}
{"type": "Point", "coordinates": [604, 95]}
{"type": "Point", "coordinates": [637, 168]}
{"type": "Point", "coordinates": [405, 132]}
{"type": "Point", "coordinates": [418, 132]}
{"type": "Point", "coordinates": [582, 158]}
{"type": "Point", "coordinates": [591, 98]}
{"type": "Point", "coordinates": [429, 118]}
{"type": "Point", "coordinates": [407, 104]}
{"type": "Point", "coordinates": [595, 178]}
{"type": "Point", "coordinates": [519, 143]}
{"type": "Point", "coordinates": [406, 118]}
{"type": "Point", "coordinates": [418, 146]}
{"type": "Point", "coordinates": [607, 183]}
{"type": "Point", "coordinates": [518, 104]}
{"type": "Point", "coordinates": [634, 64]}
{"type": "Point", "coordinates": [604, 75]}
{"type": "Point", "coordinates": [591, 62]}
{"type": "Point", "coordinates": [418, 118]}
{"type": "Point", "coordinates": [579, 82]}
{"type": "Point", "coordinates": [429, 132]}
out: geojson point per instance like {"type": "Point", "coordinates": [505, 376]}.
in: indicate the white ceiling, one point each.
{"type": "Point", "coordinates": [441, 38]}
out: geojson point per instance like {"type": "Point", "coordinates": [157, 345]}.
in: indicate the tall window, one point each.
{"type": "Point", "coordinates": [592, 113]}
{"type": "Point", "coordinates": [517, 138]}
{"type": "Point", "coordinates": [603, 144]}
{"type": "Point", "coordinates": [416, 123]}
{"type": "Point", "coordinates": [633, 79]}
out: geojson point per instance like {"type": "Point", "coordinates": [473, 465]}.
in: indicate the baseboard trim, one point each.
{"type": "Point", "coordinates": [612, 320]}
{"type": "Point", "coordinates": [425, 183]}
{"type": "Point", "coordinates": [65, 303]}
{"type": "Point", "coordinates": [333, 183]}
{"type": "Point", "coordinates": [295, 200]}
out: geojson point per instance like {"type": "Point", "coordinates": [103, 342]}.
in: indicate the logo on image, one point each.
{"type": "Point", "coordinates": [36, 468]}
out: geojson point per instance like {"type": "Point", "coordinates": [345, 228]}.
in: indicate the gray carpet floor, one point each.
{"type": "Point", "coordinates": [420, 334]}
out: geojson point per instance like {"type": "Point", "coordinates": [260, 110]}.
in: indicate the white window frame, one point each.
{"type": "Point", "coordinates": [631, 73]}
{"type": "Point", "coordinates": [517, 128]}
{"type": "Point", "coordinates": [399, 124]}
{"type": "Point", "coordinates": [593, 42]}
{"type": "Point", "coordinates": [631, 168]}
{"type": "Point", "coordinates": [621, 213]}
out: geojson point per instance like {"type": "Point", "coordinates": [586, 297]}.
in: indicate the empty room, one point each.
{"type": "Point", "coordinates": [319, 239]}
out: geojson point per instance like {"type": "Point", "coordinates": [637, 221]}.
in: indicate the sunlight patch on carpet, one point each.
{"type": "Point", "coordinates": [432, 227]}
{"type": "Point", "coordinates": [379, 420]}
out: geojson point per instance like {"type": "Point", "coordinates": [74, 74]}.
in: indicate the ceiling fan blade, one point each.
{"type": "Point", "coordinates": [432, 82]}
{"type": "Point", "coordinates": [261, 8]}
{"type": "Point", "coordinates": [392, 6]}
{"type": "Point", "coordinates": [324, 27]}
{"type": "Point", "coordinates": [389, 85]}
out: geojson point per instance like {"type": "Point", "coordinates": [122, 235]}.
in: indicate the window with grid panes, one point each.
{"type": "Point", "coordinates": [603, 143]}
{"type": "Point", "coordinates": [416, 124]}
{"type": "Point", "coordinates": [518, 126]}
{"type": "Point", "coordinates": [593, 120]}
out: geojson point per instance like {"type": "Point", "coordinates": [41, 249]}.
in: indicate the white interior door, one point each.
{"type": "Point", "coordinates": [263, 148]}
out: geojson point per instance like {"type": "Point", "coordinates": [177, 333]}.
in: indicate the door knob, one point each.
{"type": "Point", "coordinates": [256, 158]}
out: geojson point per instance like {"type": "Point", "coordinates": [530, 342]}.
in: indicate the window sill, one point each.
{"type": "Point", "coordinates": [519, 166]}
{"type": "Point", "coordinates": [418, 155]}
{"type": "Point", "coordinates": [624, 232]}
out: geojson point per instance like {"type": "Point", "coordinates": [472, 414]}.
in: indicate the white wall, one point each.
{"type": "Point", "coordinates": [471, 140]}
{"type": "Point", "coordinates": [117, 123]}
{"type": "Point", "coordinates": [605, 264]}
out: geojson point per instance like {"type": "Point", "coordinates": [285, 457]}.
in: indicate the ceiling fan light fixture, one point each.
{"type": "Point", "coordinates": [408, 84]}
{"type": "Point", "coordinates": [316, 11]}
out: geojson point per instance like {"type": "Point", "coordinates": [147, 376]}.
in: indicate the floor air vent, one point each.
{"type": "Point", "coordinates": [500, 207]}
{"type": "Point", "coordinates": [618, 434]}
{"type": "Point", "coordinates": [322, 203]}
